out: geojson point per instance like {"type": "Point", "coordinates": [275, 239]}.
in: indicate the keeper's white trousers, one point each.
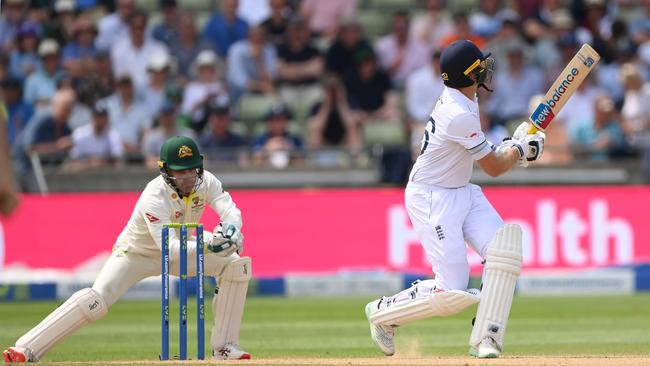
{"type": "Point", "coordinates": [123, 270]}
{"type": "Point", "coordinates": [444, 220]}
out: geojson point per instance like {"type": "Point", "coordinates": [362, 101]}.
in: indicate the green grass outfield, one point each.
{"type": "Point", "coordinates": [312, 331]}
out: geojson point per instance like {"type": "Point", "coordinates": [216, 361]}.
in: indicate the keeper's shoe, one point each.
{"type": "Point", "coordinates": [14, 355]}
{"type": "Point", "coordinates": [488, 348]}
{"type": "Point", "coordinates": [382, 335]}
{"type": "Point", "coordinates": [230, 352]}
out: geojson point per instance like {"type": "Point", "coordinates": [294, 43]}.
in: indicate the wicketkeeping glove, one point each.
{"type": "Point", "coordinates": [227, 239]}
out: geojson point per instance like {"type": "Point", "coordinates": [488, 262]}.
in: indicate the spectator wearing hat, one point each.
{"type": "Point", "coordinates": [399, 53]}
{"type": "Point", "coordinates": [369, 91]}
{"type": "Point", "coordinates": [96, 144]}
{"type": "Point", "coordinates": [24, 60]}
{"type": "Point", "coordinates": [323, 17]}
{"type": "Point", "coordinates": [59, 24]}
{"type": "Point", "coordinates": [252, 65]}
{"type": "Point", "coordinates": [300, 64]}
{"type": "Point", "coordinates": [12, 15]}
{"type": "Point", "coordinates": [167, 127]}
{"type": "Point", "coordinates": [155, 92]}
{"type": "Point", "coordinates": [19, 113]}
{"type": "Point", "coordinates": [513, 86]}
{"type": "Point", "coordinates": [78, 55]}
{"type": "Point", "coordinates": [277, 147]}
{"type": "Point", "coordinates": [131, 54]}
{"type": "Point", "coordinates": [188, 47]}
{"type": "Point", "coordinates": [219, 143]}
{"type": "Point", "coordinates": [225, 28]}
{"type": "Point", "coordinates": [115, 26]}
{"type": "Point", "coordinates": [167, 31]}
{"type": "Point", "coordinates": [602, 137]}
{"type": "Point", "coordinates": [40, 85]}
{"type": "Point", "coordinates": [276, 24]}
{"type": "Point", "coordinates": [129, 116]}
{"type": "Point", "coordinates": [203, 90]}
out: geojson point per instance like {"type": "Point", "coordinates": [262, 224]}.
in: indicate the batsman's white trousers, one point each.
{"type": "Point", "coordinates": [444, 220]}
{"type": "Point", "coordinates": [123, 270]}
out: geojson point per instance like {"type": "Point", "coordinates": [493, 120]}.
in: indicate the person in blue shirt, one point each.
{"type": "Point", "coordinates": [601, 138]}
{"type": "Point", "coordinates": [225, 28]}
{"type": "Point", "coordinates": [24, 60]}
{"type": "Point", "coordinates": [219, 143]}
{"type": "Point", "coordinates": [19, 113]}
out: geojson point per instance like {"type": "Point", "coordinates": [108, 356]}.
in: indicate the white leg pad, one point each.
{"type": "Point", "coordinates": [502, 267]}
{"type": "Point", "coordinates": [420, 302]}
{"type": "Point", "coordinates": [228, 303]}
{"type": "Point", "coordinates": [83, 307]}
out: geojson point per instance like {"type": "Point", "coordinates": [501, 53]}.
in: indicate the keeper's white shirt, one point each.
{"type": "Point", "coordinates": [159, 204]}
{"type": "Point", "coordinates": [451, 142]}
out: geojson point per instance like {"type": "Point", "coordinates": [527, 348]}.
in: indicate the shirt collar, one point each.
{"type": "Point", "coordinates": [457, 96]}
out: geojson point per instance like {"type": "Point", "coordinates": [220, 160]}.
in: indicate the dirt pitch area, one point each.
{"type": "Point", "coordinates": [408, 361]}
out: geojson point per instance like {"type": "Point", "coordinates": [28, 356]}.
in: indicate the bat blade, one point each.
{"type": "Point", "coordinates": [563, 87]}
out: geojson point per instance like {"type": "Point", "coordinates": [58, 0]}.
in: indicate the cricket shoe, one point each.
{"type": "Point", "coordinates": [14, 355]}
{"type": "Point", "coordinates": [230, 352]}
{"type": "Point", "coordinates": [488, 348]}
{"type": "Point", "coordinates": [382, 335]}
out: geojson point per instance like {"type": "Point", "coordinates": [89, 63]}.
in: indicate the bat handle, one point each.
{"type": "Point", "coordinates": [532, 130]}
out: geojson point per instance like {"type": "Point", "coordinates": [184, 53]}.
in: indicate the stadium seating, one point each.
{"type": "Point", "coordinates": [384, 132]}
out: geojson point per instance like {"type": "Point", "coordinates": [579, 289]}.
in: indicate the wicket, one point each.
{"type": "Point", "coordinates": [200, 308]}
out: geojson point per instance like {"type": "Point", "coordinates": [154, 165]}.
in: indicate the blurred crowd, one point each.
{"type": "Point", "coordinates": [274, 83]}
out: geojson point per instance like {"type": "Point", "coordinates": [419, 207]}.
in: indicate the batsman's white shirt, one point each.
{"type": "Point", "coordinates": [445, 209]}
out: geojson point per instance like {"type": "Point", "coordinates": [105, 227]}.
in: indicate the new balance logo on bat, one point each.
{"type": "Point", "coordinates": [563, 87]}
{"type": "Point", "coordinates": [542, 116]}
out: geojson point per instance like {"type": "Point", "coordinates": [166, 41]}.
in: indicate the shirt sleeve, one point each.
{"type": "Point", "coordinates": [75, 152]}
{"type": "Point", "coordinates": [465, 130]}
{"type": "Point", "coordinates": [236, 71]}
{"type": "Point", "coordinates": [221, 201]}
{"type": "Point", "coordinates": [156, 214]}
{"type": "Point", "coordinates": [116, 146]}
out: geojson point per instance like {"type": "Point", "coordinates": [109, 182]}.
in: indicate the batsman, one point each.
{"type": "Point", "coordinates": [447, 211]}
{"type": "Point", "coordinates": [178, 195]}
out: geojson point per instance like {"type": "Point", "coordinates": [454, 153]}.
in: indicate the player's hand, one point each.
{"type": "Point", "coordinates": [521, 131]}
{"type": "Point", "coordinates": [534, 145]}
{"type": "Point", "coordinates": [227, 239]}
{"type": "Point", "coordinates": [508, 144]}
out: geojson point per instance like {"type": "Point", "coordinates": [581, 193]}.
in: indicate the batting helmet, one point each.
{"type": "Point", "coordinates": [462, 59]}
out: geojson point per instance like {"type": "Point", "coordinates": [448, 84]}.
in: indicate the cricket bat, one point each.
{"type": "Point", "coordinates": [563, 87]}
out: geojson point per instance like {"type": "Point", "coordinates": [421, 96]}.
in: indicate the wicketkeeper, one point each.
{"type": "Point", "coordinates": [447, 211]}
{"type": "Point", "coordinates": [180, 194]}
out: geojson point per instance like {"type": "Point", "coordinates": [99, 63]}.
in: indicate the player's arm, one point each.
{"type": "Point", "coordinates": [522, 147]}
{"type": "Point", "coordinates": [227, 237]}
{"type": "Point", "coordinates": [500, 161]}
